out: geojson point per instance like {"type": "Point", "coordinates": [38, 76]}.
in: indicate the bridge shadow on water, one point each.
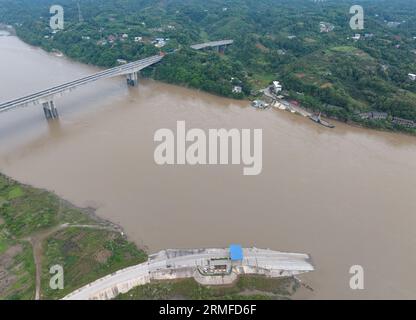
{"type": "Point", "coordinates": [55, 128]}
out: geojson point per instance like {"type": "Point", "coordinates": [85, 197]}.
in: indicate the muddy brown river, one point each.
{"type": "Point", "coordinates": [346, 196]}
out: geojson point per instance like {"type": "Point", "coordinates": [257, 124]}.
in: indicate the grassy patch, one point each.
{"type": "Point", "coordinates": [17, 269]}
{"type": "Point", "coordinates": [31, 212]}
{"type": "Point", "coordinates": [260, 81]}
{"type": "Point", "coordinates": [348, 49]}
{"type": "Point", "coordinates": [247, 287]}
{"type": "Point", "coordinates": [85, 256]}
{"type": "Point", "coordinates": [26, 210]}
{"type": "Point", "coordinates": [23, 269]}
{"type": "Point", "coordinates": [15, 192]}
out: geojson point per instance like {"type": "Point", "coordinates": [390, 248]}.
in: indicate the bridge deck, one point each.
{"type": "Point", "coordinates": [212, 44]}
{"type": "Point", "coordinates": [113, 72]}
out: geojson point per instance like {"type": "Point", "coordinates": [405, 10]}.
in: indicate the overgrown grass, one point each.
{"type": "Point", "coordinates": [23, 269]}
{"type": "Point", "coordinates": [247, 287]}
{"type": "Point", "coordinates": [26, 210]}
{"type": "Point", "coordinates": [86, 254]}
{"type": "Point", "coordinates": [344, 49]}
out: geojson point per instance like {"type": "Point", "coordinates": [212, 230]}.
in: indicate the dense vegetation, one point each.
{"type": "Point", "coordinates": [247, 287]}
{"type": "Point", "coordinates": [33, 223]}
{"type": "Point", "coordinates": [274, 40]}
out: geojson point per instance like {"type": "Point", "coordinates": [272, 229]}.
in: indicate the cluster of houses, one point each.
{"type": "Point", "coordinates": [157, 42]}
{"type": "Point", "coordinates": [392, 24]}
{"type": "Point", "coordinates": [162, 29]}
{"type": "Point", "coordinates": [160, 42]}
{"type": "Point", "coordinates": [273, 94]}
{"type": "Point", "coordinates": [276, 87]}
{"type": "Point", "coordinates": [404, 122]}
{"type": "Point", "coordinates": [326, 27]}
{"type": "Point", "coordinates": [366, 36]}
{"type": "Point", "coordinates": [236, 85]}
{"type": "Point", "coordinates": [375, 115]}
{"type": "Point", "coordinates": [237, 89]}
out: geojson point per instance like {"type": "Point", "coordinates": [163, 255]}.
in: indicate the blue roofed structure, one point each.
{"type": "Point", "coordinates": [236, 252]}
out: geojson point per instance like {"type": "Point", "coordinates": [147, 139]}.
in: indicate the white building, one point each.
{"type": "Point", "coordinates": [160, 42]}
{"type": "Point", "coordinates": [138, 39]}
{"type": "Point", "coordinates": [276, 87]}
{"type": "Point", "coordinates": [237, 89]}
{"type": "Point", "coordinates": [412, 76]}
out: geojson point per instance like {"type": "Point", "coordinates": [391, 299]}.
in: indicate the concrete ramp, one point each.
{"type": "Point", "coordinates": [207, 266]}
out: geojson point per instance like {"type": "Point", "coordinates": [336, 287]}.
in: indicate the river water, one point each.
{"type": "Point", "coordinates": [346, 196]}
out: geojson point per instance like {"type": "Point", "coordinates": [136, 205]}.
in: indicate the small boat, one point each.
{"type": "Point", "coordinates": [259, 104]}
{"type": "Point", "coordinates": [57, 53]}
{"type": "Point", "coordinates": [318, 119]}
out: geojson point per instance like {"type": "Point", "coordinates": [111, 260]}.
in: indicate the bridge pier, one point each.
{"type": "Point", "coordinates": [50, 110]}
{"type": "Point", "coordinates": [221, 49]}
{"type": "Point", "coordinates": [132, 79]}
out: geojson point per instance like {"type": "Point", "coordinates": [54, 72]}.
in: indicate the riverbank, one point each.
{"type": "Point", "coordinates": [39, 230]}
{"type": "Point", "coordinates": [248, 287]}
{"type": "Point", "coordinates": [351, 120]}
{"type": "Point", "coordinates": [7, 30]}
{"type": "Point", "coordinates": [292, 105]}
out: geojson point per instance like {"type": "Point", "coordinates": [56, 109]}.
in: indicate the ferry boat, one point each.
{"type": "Point", "coordinates": [318, 119]}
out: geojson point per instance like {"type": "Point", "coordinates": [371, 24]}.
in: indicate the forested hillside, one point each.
{"type": "Point", "coordinates": [308, 45]}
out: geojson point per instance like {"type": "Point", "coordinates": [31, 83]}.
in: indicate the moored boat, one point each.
{"type": "Point", "coordinates": [317, 118]}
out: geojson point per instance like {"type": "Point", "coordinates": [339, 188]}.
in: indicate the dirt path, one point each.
{"type": "Point", "coordinates": [38, 238]}
{"type": "Point", "coordinates": [36, 241]}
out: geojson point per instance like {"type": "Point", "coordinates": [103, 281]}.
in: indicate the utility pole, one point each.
{"type": "Point", "coordinates": [80, 18]}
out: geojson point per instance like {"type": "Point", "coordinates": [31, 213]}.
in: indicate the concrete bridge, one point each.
{"type": "Point", "coordinates": [220, 45]}
{"type": "Point", "coordinates": [206, 266]}
{"type": "Point", "coordinates": [46, 97]}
